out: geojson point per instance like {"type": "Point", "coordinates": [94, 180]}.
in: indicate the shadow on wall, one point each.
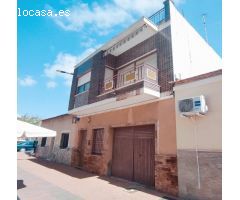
{"type": "Point", "coordinates": [20, 184]}
{"type": "Point", "coordinates": [70, 171]}
{"type": "Point", "coordinates": [130, 187]}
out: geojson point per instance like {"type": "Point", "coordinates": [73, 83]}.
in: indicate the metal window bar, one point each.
{"type": "Point", "coordinates": [97, 141]}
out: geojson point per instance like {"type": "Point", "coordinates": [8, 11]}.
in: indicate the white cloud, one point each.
{"type": "Point", "coordinates": [27, 81]}
{"type": "Point", "coordinates": [88, 42]}
{"type": "Point", "coordinates": [102, 17]}
{"type": "Point", "coordinates": [140, 7]}
{"type": "Point", "coordinates": [51, 84]}
{"type": "Point", "coordinates": [97, 17]}
{"type": "Point", "coordinates": [65, 62]}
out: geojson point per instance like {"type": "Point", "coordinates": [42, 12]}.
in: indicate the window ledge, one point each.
{"type": "Point", "coordinates": [80, 93]}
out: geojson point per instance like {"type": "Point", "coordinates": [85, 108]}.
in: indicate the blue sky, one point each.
{"type": "Point", "coordinates": [49, 43]}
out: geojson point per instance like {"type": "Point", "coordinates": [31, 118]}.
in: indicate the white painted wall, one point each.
{"type": "Point", "coordinates": [207, 129]}
{"type": "Point", "coordinates": [191, 53]}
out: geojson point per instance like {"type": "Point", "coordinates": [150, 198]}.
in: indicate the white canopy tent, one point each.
{"type": "Point", "coordinates": [25, 129]}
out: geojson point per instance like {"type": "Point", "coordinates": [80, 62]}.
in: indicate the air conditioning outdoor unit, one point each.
{"type": "Point", "coordinates": [193, 106]}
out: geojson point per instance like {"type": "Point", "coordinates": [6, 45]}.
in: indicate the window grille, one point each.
{"type": "Point", "coordinates": [97, 141]}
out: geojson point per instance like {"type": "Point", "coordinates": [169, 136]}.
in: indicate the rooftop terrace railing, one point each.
{"type": "Point", "coordinates": [158, 17]}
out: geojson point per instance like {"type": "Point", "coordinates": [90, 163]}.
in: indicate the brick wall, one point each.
{"type": "Point", "coordinates": [97, 77]}
{"type": "Point", "coordinates": [73, 90]}
{"type": "Point", "coordinates": [110, 60]}
{"type": "Point", "coordinates": [210, 168]}
{"type": "Point", "coordinates": [166, 178]}
{"type": "Point", "coordinates": [160, 41]}
{"type": "Point", "coordinates": [94, 164]}
{"type": "Point", "coordinates": [164, 59]}
{"type": "Point", "coordinates": [136, 51]}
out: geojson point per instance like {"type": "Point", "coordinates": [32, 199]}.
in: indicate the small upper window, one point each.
{"type": "Point", "coordinates": [83, 88]}
{"type": "Point", "coordinates": [83, 83]}
{"type": "Point", "coordinates": [43, 142]}
{"type": "Point", "coordinates": [64, 140]}
{"type": "Point", "coordinates": [87, 86]}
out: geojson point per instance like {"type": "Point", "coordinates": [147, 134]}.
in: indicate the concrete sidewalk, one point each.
{"type": "Point", "coordinates": [40, 179]}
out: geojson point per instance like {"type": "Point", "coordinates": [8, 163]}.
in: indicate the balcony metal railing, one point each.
{"type": "Point", "coordinates": [158, 17]}
{"type": "Point", "coordinates": [131, 76]}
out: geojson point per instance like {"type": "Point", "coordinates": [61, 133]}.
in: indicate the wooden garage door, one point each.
{"type": "Point", "coordinates": [122, 165]}
{"type": "Point", "coordinates": [133, 154]}
{"type": "Point", "coordinates": [144, 150]}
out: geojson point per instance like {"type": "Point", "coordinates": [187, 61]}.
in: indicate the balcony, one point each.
{"type": "Point", "coordinates": [132, 78]}
{"type": "Point", "coordinates": [132, 86]}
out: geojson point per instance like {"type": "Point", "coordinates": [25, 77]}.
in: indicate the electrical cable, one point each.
{"type": "Point", "coordinates": [196, 151]}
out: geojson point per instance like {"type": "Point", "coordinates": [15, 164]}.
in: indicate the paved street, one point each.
{"type": "Point", "coordinates": [39, 179]}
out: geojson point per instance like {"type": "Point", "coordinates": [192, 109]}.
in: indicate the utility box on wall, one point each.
{"type": "Point", "coordinates": [193, 106]}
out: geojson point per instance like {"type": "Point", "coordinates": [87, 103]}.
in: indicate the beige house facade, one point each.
{"type": "Point", "coordinates": [199, 139]}
{"type": "Point", "coordinates": [123, 95]}
{"type": "Point", "coordinates": [144, 130]}
{"type": "Point", "coordinates": [154, 136]}
{"type": "Point", "coordinates": [59, 148]}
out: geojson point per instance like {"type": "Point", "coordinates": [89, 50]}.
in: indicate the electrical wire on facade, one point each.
{"type": "Point", "coordinates": [194, 119]}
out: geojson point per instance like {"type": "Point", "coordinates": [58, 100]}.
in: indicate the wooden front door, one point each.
{"type": "Point", "coordinates": [133, 154]}
{"type": "Point", "coordinates": [83, 142]}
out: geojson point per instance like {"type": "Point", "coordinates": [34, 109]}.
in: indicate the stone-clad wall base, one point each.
{"type": "Point", "coordinates": [57, 155]}
{"type": "Point", "coordinates": [210, 164]}
{"type": "Point", "coordinates": [61, 155]}
{"type": "Point", "coordinates": [42, 152]}
{"type": "Point", "coordinates": [94, 164]}
{"type": "Point", "coordinates": [166, 179]}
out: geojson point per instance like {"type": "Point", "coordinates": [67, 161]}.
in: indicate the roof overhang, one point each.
{"type": "Point", "coordinates": [112, 104]}
{"type": "Point", "coordinates": [151, 30]}
{"type": "Point", "coordinates": [25, 129]}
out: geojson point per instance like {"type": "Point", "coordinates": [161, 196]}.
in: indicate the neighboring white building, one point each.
{"type": "Point", "coordinates": [199, 140]}
{"type": "Point", "coordinates": [59, 148]}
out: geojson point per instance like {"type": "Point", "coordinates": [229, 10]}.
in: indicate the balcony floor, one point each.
{"type": "Point", "coordinates": [146, 95]}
